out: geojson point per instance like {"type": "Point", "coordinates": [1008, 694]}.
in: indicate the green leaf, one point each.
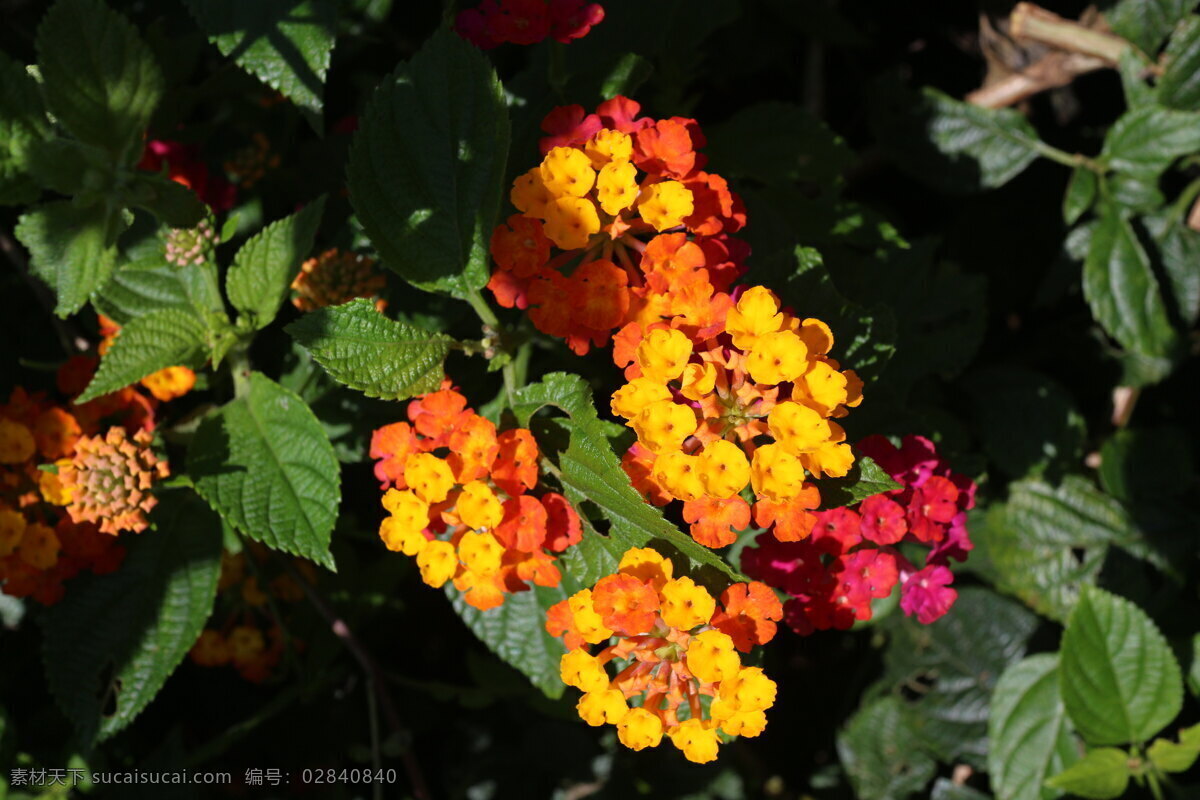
{"type": "Point", "coordinates": [1123, 292]}
{"type": "Point", "coordinates": [59, 164]}
{"type": "Point", "coordinates": [1133, 67]}
{"type": "Point", "coordinates": [1120, 682]}
{"type": "Point", "coordinates": [957, 660]}
{"type": "Point", "coordinates": [790, 144]}
{"type": "Point", "coordinates": [114, 639]}
{"type": "Point", "coordinates": [1170, 756]}
{"type": "Point", "coordinates": [284, 43]}
{"type": "Point", "coordinates": [944, 789]}
{"type": "Point", "coordinates": [1179, 252]}
{"type": "Point", "coordinates": [173, 203]}
{"type": "Point", "coordinates": [1101, 774]}
{"type": "Point", "coordinates": [71, 249]}
{"type": "Point", "coordinates": [426, 168]}
{"type": "Point", "coordinates": [1029, 734]}
{"type": "Point", "coordinates": [516, 632]}
{"type": "Point", "coordinates": [1143, 142]}
{"type": "Point", "coordinates": [1179, 85]}
{"type": "Point", "coordinates": [880, 753]}
{"type": "Point", "coordinates": [1146, 22]}
{"type": "Point", "coordinates": [100, 79]}
{"type": "Point", "coordinates": [361, 348]}
{"type": "Point", "coordinates": [154, 341]}
{"type": "Point", "coordinates": [22, 121]}
{"type": "Point", "coordinates": [592, 472]}
{"type": "Point", "coordinates": [153, 285]}
{"type": "Point", "coordinates": [264, 268]}
{"type": "Point", "coordinates": [998, 143]}
{"type": "Point", "coordinates": [265, 464]}
{"type": "Point", "coordinates": [865, 479]}
{"type": "Point", "coordinates": [1081, 193]}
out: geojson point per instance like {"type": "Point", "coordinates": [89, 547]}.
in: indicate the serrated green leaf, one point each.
{"type": "Point", "coordinates": [132, 627]}
{"type": "Point", "coordinates": [72, 249]}
{"type": "Point", "coordinates": [1101, 775]}
{"type": "Point", "coordinates": [516, 632]}
{"type": "Point", "coordinates": [153, 285]}
{"type": "Point", "coordinates": [1179, 252]}
{"type": "Point", "coordinates": [284, 43]}
{"type": "Point", "coordinates": [1178, 756]}
{"type": "Point", "coordinates": [361, 348]}
{"type": "Point", "coordinates": [592, 472]}
{"type": "Point", "coordinates": [1179, 84]}
{"type": "Point", "coordinates": [880, 753]}
{"type": "Point", "coordinates": [865, 479]}
{"type": "Point", "coordinates": [1081, 193]}
{"type": "Point", "coordinates": [173, 203]}
{"type": "Point", "coordinates": [1120, 681]}
{"type": "Point", "coordinates": [265, 266]}
{"type": "Point", "coordinates": [1123, 292]}
{"type": "Point", "coordinates": [944, 789]}
{"type": "Point", "coordinates": [1029, 735]}
{"type": "Point", "coordinates": [1144, 141]}
{"type": "Point", "coordinates": [1134, 67]}
{"type": "Point", "coordinates": [22, 121]}
{"type": "Point", "coordinates": [790, 144]}
{"type": "Point", "coordinates": [426, 167]}
{"type": "Point", "coordinates": [100, 79]}
{"type": "Point", "coordinates": [154, 341]}
{"type": "Point", "coordinates": [265, 464]}
{"type": "Point", "coordinates": [999, 142]}
{"type": "Point", "coordinates": [1146, 22]}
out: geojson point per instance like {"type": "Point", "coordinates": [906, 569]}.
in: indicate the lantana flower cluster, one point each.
{"type": "Point", "coordinates": [859, 554]}
{"type": "Point", "coordinates": [674, 652]}
{"type": "Point", "coordinates": [496, 22]}
{"type": "Point", "coordinates": [752, 403]}
{"type": "Point", "coordinates": [335, 277]}
{"type": "Point", "coordinates": [459, 498]}
{"type": "Point", "coordinates": [251, 640]}
{"type": "Point", "coordinates": [618, 224]}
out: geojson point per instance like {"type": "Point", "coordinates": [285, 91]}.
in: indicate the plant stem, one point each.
{"type": "Point", "coordinates": [489, 318]}
{"type": "Point", "coordinates": [1029, 21]}
{"type": "Point", "coordinates": [239, 368]}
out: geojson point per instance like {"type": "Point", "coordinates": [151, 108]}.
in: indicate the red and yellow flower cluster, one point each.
{"type": "Point", "coordinates": [335, 277]}
{"type": "Point", "coordinates": [458, 497]}
{"type": "Point", "coordinates": [852, 557]}
{"type": "Point", "coordinates": [252, 638]}
{"type": "Point", "coordinates": [677, 668]}
{"type": "Point", "coordinates": [496, 22]}
{"type": "Point", "coordinates": [71, 475]}
{"type": "Point", "coordinates": [624, 203]}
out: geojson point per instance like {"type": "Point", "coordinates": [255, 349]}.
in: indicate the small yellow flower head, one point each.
{"type": "Point", "coordinates": [581, 669]}
{"type": "Point", "coordinates": [630, 399]}
{"type": "Point", "coordinates": [699, 380]}
{"type": "Point", "coordinates": [665, 205]}
{"type": "Point", "coordinates": [16, 442]}
{"type": "Point", "coordinates": [816, 335]}
{"type": "Point", "coordinates": [617, 187]}
{"type": "Point", "coordinates": [429, 476]}
{"type": "Point", "coordinates": [530, 195]}
{"type": "Point", "coordinates": [51, 486]}
{"type": "Point", "coordinates": [698, 742]}
{"type": "Point", "coordinates": [410, 510]}
{"type": "Point", "coordinates": [757, 312]}
{"type": "Point", "coordinates": [686, 605]}
{"type": "Point", "coordinates": [478, 507]}
{"type": "Point", "coordinates": [775, 473]}
{"type": "Point", "coordinates": [567, 172]}
{"type": "Point", "coordinates": [663, 354]}
{"type": "Point", "coordinates": [739, 723]}
{"type": "Point", "coordinates": [825, 385]}
{"type": "Point", "coordinates": [480, 552]}
{"type": "Point", "coordinates": [777, 357]}
{"type": "Point", "coordinates": [640, 729]}
{"type": "Point", "coordinates": [724, 470]}
{"type": "Point", "coordinates": [39, 546]}
{"type": "Point", "coordinates": [401, 537]}
{"type": "Point", "coordinates": [798, 428]}
{"type": "Point", "coordinates": [749, 690]}
{"type": "Point", "coordinates": [12, 528]}
{"type": "Point", "coordinates": [437, 562]}
{"type": "Point", "coordinates": [833, 459]}
{"type": "Point", "coordinates": [609, 145]}
{"type": "Point", "coordinates": [646, 564]}
{"type": "Point", "coordinates": [711, 656]}
{"type": "Point", "coordinates": [663, 425]}
{"type": "Point", "coordinates": [587, 621]}
{"type": "Point", "coordinates": [679, 475]}
{"type": "Point", "coordinates": [570, 222]}
{"type": "Point", "coordinates": [606, 705]}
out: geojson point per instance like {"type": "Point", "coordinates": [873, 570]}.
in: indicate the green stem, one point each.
{"type": "Point", "coordinates": [1067, 159]}
{"type": "Point", "coordinates": [1184, 202]}
{"type": "Point", "coordinates": [489, 318]}
{"type": "Point", "coordinates": [1155, 787]}
{"type": "Point", "coordinates": [239, 368]}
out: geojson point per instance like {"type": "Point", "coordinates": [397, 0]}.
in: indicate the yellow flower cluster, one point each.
{"type": "Point", "coordinates": [574, 192]}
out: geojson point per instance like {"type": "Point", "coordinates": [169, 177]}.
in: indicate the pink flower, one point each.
{"type": "Point", "coordinates": [882, 520]}
{"type": "Point", "coordinates": [837, 530]}
{"type": "Point", "coordinates": [572, 19]}
{"type": "Point", "coordinates": [927, 594]}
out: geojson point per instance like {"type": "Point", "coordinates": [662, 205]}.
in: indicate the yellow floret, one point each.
{"type": "Point", "coordinates": [775, 473]}
{"type": "Point", "coordinates": [607, 705]}
{"type": "Point", "coordinates": [630, 399]}
{"type": "Point", "coordinates": [679, 475]}
{"type": "Point", "coordinates": [724, 469]}
{"type": "Point", "coordinates": [749, 690]}
{"type": "Point", "coordinates": [12, 528]}
{"type": "Point", "coordinates": [798, 428]}
{"type": "Point", "coordinates": [478, 507]}
{"type": "Point", "coordinates": [711, 656]}
{"type": "Point", "coordinates": [686, 605]}
{"type": "Point", "coordinates": [480, 552]}
{"type": "Point", "coordinates": [609, 145]}
{"type": "Point", "coordinates": [639, 729]}
{"type": "Point", "coordinates": [581, 669]}
{"type": "Point", "coordinates": [663, 425]}
{"type": "Point", "coordinates": [698, 380]}
{"type": "Point", "coordinates": [570, 222]}
{"type": "Point", "coordinates": [589, 624]}
{"type": "Point", "coordinates": [429, 476]}
{"type": "Point", "coordinates": [825, 385]}
{"type": "Point", "coordinates": [567, 172]}
{"type": "Point", "coordinates": [16, 442]}
{"type": "Point", "coordinates": [663, 354]}
{"type": "Point", "coordinates": [530, 195]}
{"type": "Point", "coordinates": [756, 313]}
{"type": "Point", "coordinates": [777, 357]}
{"type": "Point", "coordinates": [438, 562]}
{"type": "Point", "coordinates": [646, 564]}
{"type": "Point", "coordinates": [833, 459]}
{"type": "Point", "coordinates": [616, 187]}
{"type": "Point", "coordinates": [665, 205]}
{"type": "Point", "coordinates": [401, 537]}
{"type": "Point", "coordinates": [698, 742]}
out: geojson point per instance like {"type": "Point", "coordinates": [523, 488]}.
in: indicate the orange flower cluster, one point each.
{"type": "Point", "coordinates": [623, 203]}
{"type": "Point", "coordinates": [250, 164]}
{"type": "Point", "coordinates": [252, 638]}
{"type": "Point", "coordinates": [167, 384]}
{"type": "Point", "coordinates": [458, 497]}
{"type": "Point", "coordinates": [108, 480]}
{"type": "Point", "coordinates": [678, 672]}
{"type": "Point", "coordinates": [336, 277]}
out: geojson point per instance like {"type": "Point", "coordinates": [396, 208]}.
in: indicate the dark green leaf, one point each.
{"type": "Point", "coordinates": [1134, 67]}
{"type": "Point", "coordinates": [1179, 85]}
{"type": "Point", "coordinates": [265, 266]}
{"type": "Point", "coordinates": [1179, 252]}
{"type": "Point", "coordinates": [154, 341]}
{"type": "Point", "coordinates": [172, 202]}
{"type": "Point", "coordinates": [1120, 681]}
{"type": "Point", "coordinates": [59, 164]}
{"type": "Point", "coordinates": [1143, 142]}
{"type": "Point", "coordinates": [1146, 22]}
{"type": "Point", "coordinates": [789, 144]}
{"type": "Point", "coordinates": [944, 789]}
{"type": "Point", "coordinates": [132, 627]}
{"type": "Point", "coordinates": [142, 287]}
{"type": "Point", "coordinates": [426, 168]}
{"type": "Point", "coordinates": [1081, 192]}
{"type": "Point", "coordinates": [865, 478]}
{"type": "Point", "coordinates": [265, 464]}
{"type": "Point", "coordinates": [100, 79]}
{"type": "Point", "coordinates": [1101, 774]}
{"type": "Point", "coordinates": [22, 121]}
{"type": "Point", "coordinates": [880, 753]}
{"type": "Point", "coordinates": [361, 348]}
{"type": "Point", "coordinates": [71, 249]}
{"type": "Point", "coordinates": [284, 43]}
{"type": "Point", "coordinates": [999, 143]}
{"type": "Point", "coordinates": [1176, 756]}
{"type": "Point", "coordinates": [1029, 734]}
